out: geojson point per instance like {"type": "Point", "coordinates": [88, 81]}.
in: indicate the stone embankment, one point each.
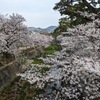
{"type": "Point", "coordinates": [8, 72]}
{"type": "Point", "coordinates": [11, 66]}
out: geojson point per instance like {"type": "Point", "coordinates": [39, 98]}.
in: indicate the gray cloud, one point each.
{"type": "Point", "coordinates": [38, 13]}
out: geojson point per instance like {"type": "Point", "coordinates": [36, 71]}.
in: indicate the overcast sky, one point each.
{"type": "Point", "coordinates": [38, 13]}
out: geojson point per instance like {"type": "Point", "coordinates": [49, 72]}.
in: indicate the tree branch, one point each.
{"type": "Point", "coordinates": [91, 8]}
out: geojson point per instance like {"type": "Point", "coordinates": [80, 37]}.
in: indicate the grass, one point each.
{"type": "Point", "coordinates": [44, 70]}
{"type": "Point", "coordinates": [47, 51]}
{"type": "Point", "coordinates": [38, 61]}
{"type": "Point", "coordinates": [51, 49]}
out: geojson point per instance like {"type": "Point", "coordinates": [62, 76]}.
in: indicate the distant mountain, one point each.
{"type": "Point", "coordinates": [43, 30]}
{"type": "Point", "coordinates": [51, 28]}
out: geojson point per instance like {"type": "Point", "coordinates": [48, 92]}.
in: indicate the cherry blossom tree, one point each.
{"type": "Point", "coordinates": [12, 24]}
{"type": "Point", "coordinates": [74, 72]}
{"type": "Point", "coordinates": [14, 34]}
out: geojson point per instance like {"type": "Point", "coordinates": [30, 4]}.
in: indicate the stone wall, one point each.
{"type": "Point", "coordinates": [8, 73]}
{"type": "Point", "coordinates": [6, 58]}
{"type": "Point", "coordinates": [10, 68]}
